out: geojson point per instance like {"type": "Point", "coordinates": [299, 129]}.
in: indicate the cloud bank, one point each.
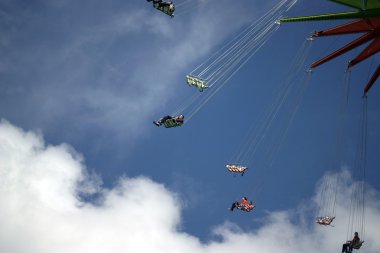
{"type": "Point", "coordinates": [46, 206]}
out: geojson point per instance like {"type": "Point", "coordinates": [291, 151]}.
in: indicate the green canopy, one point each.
{"type": "Point", "coordinates": [365, 9]}
{"type": "Point", "coordinates": [360, 4]}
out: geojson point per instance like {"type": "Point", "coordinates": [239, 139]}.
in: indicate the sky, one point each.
{"type": "Point", "coordinates": [83, 169]}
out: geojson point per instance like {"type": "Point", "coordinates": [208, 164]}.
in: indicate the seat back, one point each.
{"type": "Point", "coordinates": [358, 245]}
{"type": "Point", "coordinates": [245, 208]}
{"type": "Point", "coordinates": [167, 9]}
{"type": "Point", "coordinates": [172, 123]}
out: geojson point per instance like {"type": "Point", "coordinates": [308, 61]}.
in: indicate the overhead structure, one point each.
{"type": "Point", "coordinates": [366, 20]}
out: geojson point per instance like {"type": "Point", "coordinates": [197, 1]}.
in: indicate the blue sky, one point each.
{"type": "Point", "coordinates": [81, 83]}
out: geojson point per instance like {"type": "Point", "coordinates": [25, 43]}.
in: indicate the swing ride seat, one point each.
{"type": "Point", "coordinates": [172, 123]}
{"type": "Point", "coordinates": [245, 208]}
{"type": "Point", "coordinates": [168, 9]}
{"type": "Point", "coordinates": [236, 168]}
{"type": "Point", "coordinates": [357, 246]}
{"type": "Point", "coordinates": [324, 220]}
{"type": "Point", "coordinates": [197, 82]}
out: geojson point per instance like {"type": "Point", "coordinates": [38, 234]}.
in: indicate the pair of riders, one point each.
{"type": "Point", "coordinates": [243, 205]}
{"type": "Point", "coordinates": [165, 6]}
{"type": "Point", "coordinates": [177, 119]}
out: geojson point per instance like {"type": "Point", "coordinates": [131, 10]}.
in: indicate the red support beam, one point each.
{"type": "Point", "coordinates": [357, 26]}
{"type": "Point", "coordinates": [372, 80]}
{"type": "Point", "coordinates": [359, 41]}
{"type": "Point", "coordinates": [372, 49]}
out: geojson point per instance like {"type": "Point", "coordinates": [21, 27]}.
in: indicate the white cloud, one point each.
{"type": "Point", "coordinates": [41, 211]}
